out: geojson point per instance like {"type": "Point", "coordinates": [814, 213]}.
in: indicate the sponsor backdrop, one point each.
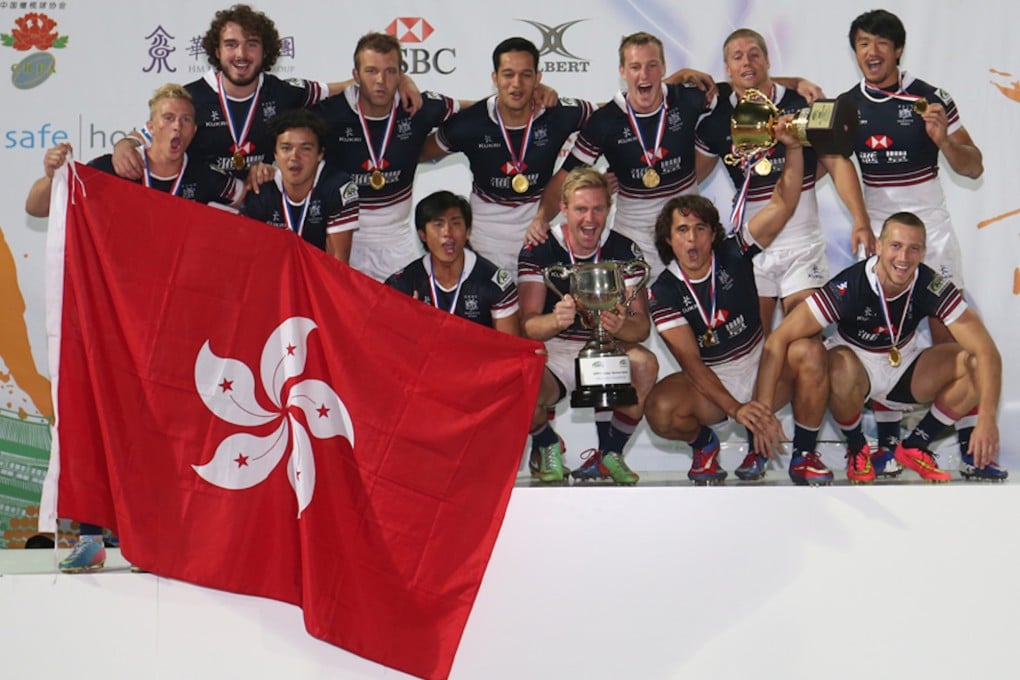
{"type": "Point", "coordinates": [81, 72]}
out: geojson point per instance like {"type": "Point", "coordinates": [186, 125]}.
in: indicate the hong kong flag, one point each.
{"type": "Point", "coordinates": [249, 414]}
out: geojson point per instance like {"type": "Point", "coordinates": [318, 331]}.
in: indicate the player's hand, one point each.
{"type": "Point", "coordinates": [862, 241]}
{"type": "Point", "coordinates": [127, 162]}
{"type": "Point", "coordinates": [259, 174]}
{"type": "Point", "coordinates": [537, 232]}
{"type": "Point", "coordinates": [410, 96]}
{"type": "Point", "coordinates": [545, 96]}
{"type": "Point", "coordinates": [936, 123]}
{"type": "Point", "coordinates": [614, 183]}
{"type": "Point", "coordinates": [56, 157]}
{"type": "Point", "coordinates": [565, 311]}
{"type": "Point", "coordinates": [763, 424]}
{"type": "Point", "coordinates": [784, 132]}
{"type": "Point", "coordinates": [984, 441]}
{"type": "Point", "coordinates": [809, 91]}
{"type": "Point", "coordinates": [699, 79]}
{"type": "Point", "coordinates": [613, 319]}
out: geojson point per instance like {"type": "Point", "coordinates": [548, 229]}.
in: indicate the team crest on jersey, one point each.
{"type": "Point", "coordinates": [404, 129]}
{"type": "Point", "coordinates": [725, 280]}
{"type": "Point", "coordinates": [502, 278]}
{"type": "Point", "coordinates": [540, 136]}
{"type": "Point", "coordinates": [315, 209]}
{"type": "Point", "coordinates": [938, 284]}
{"type": "Point", "coordinates": [674, 121]}
{"type": "Point", "coordinates": [471, 304]}
{"type": "Point", "coordinates": [268, 109]}
{"type": "Point", "coordinates": [188, 192]}
{"type": "Point", "coordinates": [349, 193]}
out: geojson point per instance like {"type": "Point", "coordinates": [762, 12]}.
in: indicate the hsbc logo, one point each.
{"type": "Point", "coordinates": [553, 45]}
{"type": "Point", "coordinates": [878, 142]}
{"type": "Point", "coordinates": [421, 60]}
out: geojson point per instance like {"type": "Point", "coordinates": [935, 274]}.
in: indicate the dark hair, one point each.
{"type": "Point", "coordinates": [687, 204]}
{"type": "Point", "coordinates": [299, 118]}
{"type": "Point", "coordinates": [881, 23]}
{"type": "Point", "coordinates": [252, 23]}
{"type": "Point", "coordinates": [383, 43]}
{"type": "Point", "coordinates": [905, 218]}
{"type": "Point", "coordinates": [515, 44]}
{"type": "Point", "coordinates": [437, 203]}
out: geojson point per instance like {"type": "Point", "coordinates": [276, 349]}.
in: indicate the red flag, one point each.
{"type": "Point", "coordinates": [251, 415]}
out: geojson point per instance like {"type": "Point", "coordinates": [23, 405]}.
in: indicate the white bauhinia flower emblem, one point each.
{"type": "Point", "coordinates": [227, 387]}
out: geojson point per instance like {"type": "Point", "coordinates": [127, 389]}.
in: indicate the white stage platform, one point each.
{"type": "Point", "coordinates": [657, 581]}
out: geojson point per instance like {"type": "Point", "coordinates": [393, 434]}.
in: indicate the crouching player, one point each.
{"type": "Point", "coordinates": [705, 307]}
{"type": "Point", "coordinates": [554, 320]}
{"type": "Point", "coordinates": [877, 305]}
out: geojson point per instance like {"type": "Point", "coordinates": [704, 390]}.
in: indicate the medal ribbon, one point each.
{"type": "Point", "coordinates": [711, 294]}
{"type": "Point", "coordinates": [378, 162]}
{"type": "Point", "coordinates": [747, 165]}
{"type": "Point", "coordinates": [649, 157]}
{"type": "Point", "coordinates": [434, 285]}
{"type": "Point", "coordinates": [570, 251]}
{"type": "Point", "coordinates": [147, 176]}
{"type": "Point", "coordinates": [300, 229]}
{"type": "Point", "coordinates": [241, 145]}
{"type": "Point", "coordinates": [516, 160]}
{"type": "Point", "coordinates": [895, 339]}
{"type": "Point", "coordinates": [870, 90]}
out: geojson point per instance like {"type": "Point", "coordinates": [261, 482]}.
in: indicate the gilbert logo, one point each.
{"type": "Point", "coordinates": [38, 31]}
{"type": "Point", "coordinates": [553, 45]}
{"type": "Point", "coordinates": [303, 410]}
{"type": "Point", "coordinates": [421, 60]}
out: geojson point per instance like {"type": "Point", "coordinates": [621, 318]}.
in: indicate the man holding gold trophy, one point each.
{"type": "Point", "coordinates": [796, 263]}
{"type": "Point", "coordinates": [557, 279]}
{"type": "Point", "coordinates": [705, 307]}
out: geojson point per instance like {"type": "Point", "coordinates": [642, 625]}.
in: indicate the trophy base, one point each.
{"type": "Point", "coordinates": [603, 396]}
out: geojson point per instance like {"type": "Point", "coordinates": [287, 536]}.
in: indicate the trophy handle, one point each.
{"type": "Point", "coordinates": [630, 268]}
{"type": "Point", "coordinates": [558, 271]}
{"type": "Point", "coordinates": [752, 126]}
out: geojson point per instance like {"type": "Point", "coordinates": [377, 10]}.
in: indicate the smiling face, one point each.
{"type": "Point", "coordinates": [446, 236]}
{"type": "Point", "coordinates": [878, 58]}
{"type": "Point", "coordinates": [747, 64]}
{"type": "Point", "coordinates": [240, 55]}
{"type": "Point", "coordinates": [377, 75]}
{"type": "Point", "coordinates": [900, 249]}
{"type": "Point", "coordinates": [691, 238]}
{"type": "Point", "coordinates": [586, 210]}
{"type": "Point", "coordinates": [172, 126]}
{"type": "Point", "coordinates": [643, 68]}
{"type": "Point", "coordinates": [297, 155]}
{"type": "Point", "coordinates": [515, 81]}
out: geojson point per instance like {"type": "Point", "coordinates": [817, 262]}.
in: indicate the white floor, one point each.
{"type": "Point", "coordinates": [887, 581]}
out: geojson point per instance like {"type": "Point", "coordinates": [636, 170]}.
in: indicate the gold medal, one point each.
{"type": "Point", "coordinates": [894, 357]}
{"type": "Point", "coordinates": [377, 180]}
{"type": "Point", "coordinates": [520, 183]}
{"type": "Point", "coordinates": [239, 161]}
{"type": "Point", "coordinates": [651, 178]}
{"type": "Point", "coordinates": [709, 338]}
{"type": "Point", "coordinates": [763, 167]}
{"type": "Point", "coordinates": [920, 106]}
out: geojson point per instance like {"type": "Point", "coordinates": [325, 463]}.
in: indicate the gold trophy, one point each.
{"type": "Point", "coordinates": [828, 125]}
{"type": "Point", "coordinates": [601, 368]}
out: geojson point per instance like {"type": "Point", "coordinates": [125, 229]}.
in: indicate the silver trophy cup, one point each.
{"type": "Point", "coordinates": [602, 369]}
